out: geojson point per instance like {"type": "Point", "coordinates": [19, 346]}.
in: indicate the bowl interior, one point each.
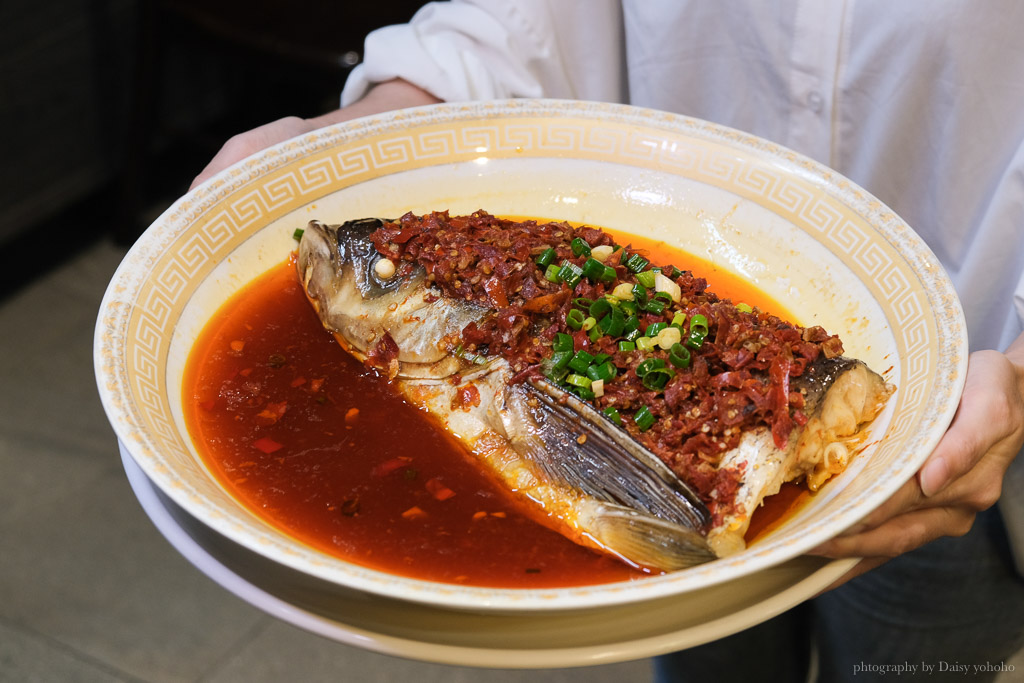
{"type": "Point", "coordinates": [829, 252]}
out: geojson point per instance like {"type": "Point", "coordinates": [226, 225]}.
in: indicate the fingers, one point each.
{"type": "Point", "coordinates": [901, 534]}
{"type": "Point", "coordinates": [907, 497]}
{"type": "Point", "coordinates": [250, 142]}
{"type": "Point", "coordinates": [990, 413]}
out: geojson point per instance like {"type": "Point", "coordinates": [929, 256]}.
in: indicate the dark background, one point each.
{"type": "Point", "coordinates": [109, 108]}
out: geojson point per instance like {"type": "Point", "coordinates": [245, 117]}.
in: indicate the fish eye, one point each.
{"type": "Point", "coordinates": [384, 268]}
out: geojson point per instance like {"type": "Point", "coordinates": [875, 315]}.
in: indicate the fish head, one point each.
{"type": "Point", "coordinates": [389, 314]}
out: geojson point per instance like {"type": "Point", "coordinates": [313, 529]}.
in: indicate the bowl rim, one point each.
{"type": "Point", "coordinates": [117, 304]}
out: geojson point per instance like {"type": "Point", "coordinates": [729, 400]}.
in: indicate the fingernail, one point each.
{"type": "Point", "coordinates": [934, 476]}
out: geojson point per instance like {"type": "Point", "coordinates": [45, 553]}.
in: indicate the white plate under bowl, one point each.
{"type": "Point", "coordinates": [831, 253]}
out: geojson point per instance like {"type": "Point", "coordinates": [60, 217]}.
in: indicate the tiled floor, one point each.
{"type": "Point", "coordinates": [89, 589]}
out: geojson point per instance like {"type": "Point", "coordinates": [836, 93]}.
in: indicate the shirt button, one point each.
{"type": "Point", "coordinates": [815, 101]}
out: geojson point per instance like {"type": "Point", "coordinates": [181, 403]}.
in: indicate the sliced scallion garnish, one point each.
{"type": "Point", "coordinates": [581, 361]}
{"type": "Point", "coordinates": [546, 257]}
{"type": "Point", "coordinates": [643, 419]}
{"type": "Point", "coordinates": [699, 325]}
{"type": "Point", "coordinates": [562, 342]}
{"type": "Point", "coordinates": [646, 278]}
{"type": "Point", "coordinates": [570, 273]}
{"type": "Point", "coordinates": [679, 356]}
{"type": "Point", "coordinates": [575, 318]}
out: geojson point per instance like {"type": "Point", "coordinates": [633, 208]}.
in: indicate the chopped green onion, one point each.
{"type": "Point", "coordinates": [654, 328]}
{"type": "Point", "coordinates": [563, 342]}
{"type": "Point", "coordinates": [553, 373]}
{"type": "Point", "coordinates": [605, 371]}
{"type": "Point", "coordinates": [744, 308]}
{"type": "Point", "coordinates": [297, 235]}
{"type": "Point", "coordinates": [669, 336]}
{"type": "Point", "coordinates": [640, 295]}
{"type": "Point", "coordinates": [546, 258]}
{"type": "Point", "coordinates": [678, 319]}
{"type": "Point", "coordinates": [580, 247]}
{"type": "Point", "coordinates": [468, 355]}
{"type": "Point", "coordinates": [551, 274]}
{"type": "Point", "coordinates": [593, 269]}
{"type": "Point", "coordinates": [585, 394]}
{"type": "Point", "coordinates": [645, 344]}
{"type": "Point", "coordinates": [699, 325]}
{"type": "Point", "coordinates": [581, 361]}
{"type": "Point", "coordinates": [582, 302]}
{"type": "Point", "coordinates": [636, 263]}
{"type": "Point", "coordinates": [609, 275]}
{"type": "Point", "coordinates": [613, 324]}
{"type": "Point", "coordinates": [613, 415]}
{"type": "Point", "coordinates": [632, 335]}
{"type": "Point", "coordinates": [578, 381]}
{"type": "Point", "coordinates": [628, 307]}
{"type": "Point", "coordinates": [595, 332]}
{"type": "Point", "coordinates": [643, 419]}
{"type": "Point", "coordinates": [589, 322]}
{"type": "Point", "coordinates": [599, 308]}
{"type": "Point", "coordinates": [560, 359]}
{"type": "Point", "coordinates": [656, 379]}
{"type": "Point", "coordinates": [679, 356]}
{"type": "Point", "coordinates": [570, 273]}
{"type": "Point", "coordinates": [648, 365]}
{"type": "Point", "coordinates": [627, 346]}
{"type": "Point", "coordinates": [574, 319]}
{"type": "Point", "coordinates": [646, 278]}
{"type": "Point", "coordinates": [600, 358]}
{"type": "Point", "coordinates": [664, 297]}
{"type": "Point", "coordinates": [655, 306]}
{"type": "Point", "coordinates": [695, 340]}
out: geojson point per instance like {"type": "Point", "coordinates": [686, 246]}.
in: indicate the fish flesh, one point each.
{"type": "Point", "coordinates": [584, 474]}
{"type": "Point", "coordinates": [842, 395]}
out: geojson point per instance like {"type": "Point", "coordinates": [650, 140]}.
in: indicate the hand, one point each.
{"type": "Point", "coordinates": [244, 144]}
{"type": "Point", "coordinates": [382, 97]}
{"type": "Point", "coordinates": [962, 477]}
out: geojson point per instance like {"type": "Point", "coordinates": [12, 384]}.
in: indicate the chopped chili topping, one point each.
{"type": "Point", "coordinates": [684, 371]}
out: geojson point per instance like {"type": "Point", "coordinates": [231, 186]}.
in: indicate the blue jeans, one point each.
{"type": "Point", "coordinates": [954, 603]}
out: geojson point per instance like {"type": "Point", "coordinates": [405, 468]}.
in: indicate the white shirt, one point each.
{"type": "Point", "coordinates": [920, 102]}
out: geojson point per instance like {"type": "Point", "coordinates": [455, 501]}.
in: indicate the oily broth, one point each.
{"type": "Point", "coordinates": [318, 446]}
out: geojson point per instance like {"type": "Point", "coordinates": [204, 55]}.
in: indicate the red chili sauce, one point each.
{"type": "Point", "coordinates": [322, 448]}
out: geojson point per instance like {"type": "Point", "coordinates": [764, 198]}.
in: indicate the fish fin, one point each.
{"type": "Point", "coordinates": [572, 443]}
{"type": "Point", "coordinates": [645, 540]}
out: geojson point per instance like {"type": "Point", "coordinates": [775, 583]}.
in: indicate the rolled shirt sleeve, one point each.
{"type": "Point", "coordinates": [493, 49]}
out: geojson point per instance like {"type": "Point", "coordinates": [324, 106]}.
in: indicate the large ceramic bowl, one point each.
{"type": "Point", "coordinates": [826, 249]}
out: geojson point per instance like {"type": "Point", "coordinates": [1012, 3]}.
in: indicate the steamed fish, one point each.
{"type": "Point", "coordinates": [472, 318]}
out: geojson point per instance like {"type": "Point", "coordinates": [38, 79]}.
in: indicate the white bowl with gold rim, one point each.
{"type": "Point", "coordinates": [831, 253]}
